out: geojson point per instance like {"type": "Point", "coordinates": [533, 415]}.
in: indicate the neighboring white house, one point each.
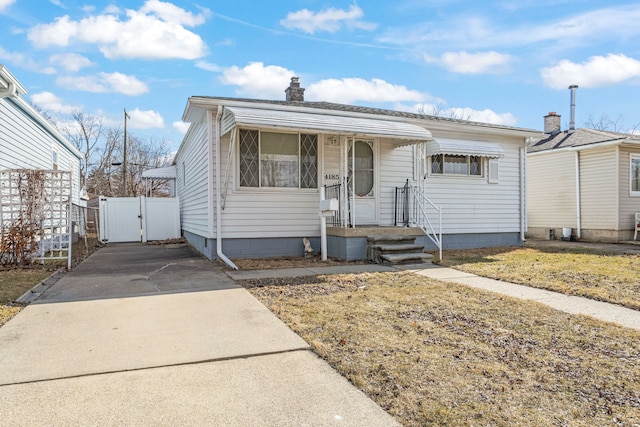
{"type": "Point", "coordinates": [30, 141]}
{"type": "Point", "coordinates": [249, 174]}
{"type": "Point", "coordinates": [584, 179]}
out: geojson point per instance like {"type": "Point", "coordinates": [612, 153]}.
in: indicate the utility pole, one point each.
{"type": "Point", "coordinates": [124, 157]}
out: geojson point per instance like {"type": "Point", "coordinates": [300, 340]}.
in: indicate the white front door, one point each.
{"type": "Point", "coordinates": [362, 180]}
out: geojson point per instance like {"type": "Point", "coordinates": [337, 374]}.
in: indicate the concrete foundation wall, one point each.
{"type": "Point", "coordinates": [472, 241]}
{"type": "Point", "coordinates": [586, 235]}
{"type": "Point", "coordinates": [252, 248]}
{"type": "Point", "coordinates": [348, 248]}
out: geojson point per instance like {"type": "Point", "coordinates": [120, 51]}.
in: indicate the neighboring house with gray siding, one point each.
{"type": "Point", "coordinates": [584, 179]}
{"type": "Point", "coordinates": [249, 175]}
{"type": "Point", "coordinates": [28, 140]}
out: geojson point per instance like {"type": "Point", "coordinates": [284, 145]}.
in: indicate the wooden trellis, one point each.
{"type": "Point", "coordinates": [36, 204]}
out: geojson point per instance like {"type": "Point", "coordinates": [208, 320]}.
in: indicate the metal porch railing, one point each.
{"type": "Point", "coordinates": [341, 217]}
{"type": "Point", "coordinates": [413, 208]}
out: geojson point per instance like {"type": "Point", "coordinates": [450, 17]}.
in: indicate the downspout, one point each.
{"type": "Point", "coordinates": [578, 208]}
{"type": "Point", "coordinates": [222, 256]}
{"type": "Point", "coordinates": [523, 193]}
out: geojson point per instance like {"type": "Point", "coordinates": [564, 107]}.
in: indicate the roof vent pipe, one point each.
{"type": "Point", "coordinates": [572, 123]}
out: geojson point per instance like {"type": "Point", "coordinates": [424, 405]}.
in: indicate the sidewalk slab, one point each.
{"type": "Point", "coordinates": [291, 389]}
{"type": "Point", "coordinates": [569, 304]}
{"type": "Point", "coordinates": [47, 341]}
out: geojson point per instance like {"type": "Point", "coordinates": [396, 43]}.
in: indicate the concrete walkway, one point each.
{"type": "Point", "coordinates": [570, 304]}
{"type": "Point", "coordinates": [156, 335]}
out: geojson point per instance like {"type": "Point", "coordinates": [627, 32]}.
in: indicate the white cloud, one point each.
{"type": "Point", "coordinates": [70, 61]}
{"type": "Point", "coordinates": [473, 63]}
{"type": "Point", "coordinates": [350, 90]}
{"type": "Point", "coordinates": [484, 116]}
{"type": "Point", "coordinates": [24, 61]}
{"type": "Point", "coordinates": [597, 71]}
{"type": "Point", "coordinates": [226, 42]}
{"type": "Point", "coordinates": [258, 81]}
{"type": "Point", "coordinates": [330, 20]}
{"type": "Point", "coordinates": [156, 31]}
{"type": "Point", "coordinates": [50, 102]}
{"type": "Point", "coordinates": [269, 82]}
{"type": "Point", "coordinates": [173, 14]}
{"type": "Point", "coordinates": [478, 32]}
{"type": "Point", "coordinates": [5, 4]}
{"type": "Point", "coordinates": [208, 66]}
{"type": "Point", "coordinates": [181, 126]}
{"type": "Point", "coordinates": [145, 119]}
{"type": "Point", "coordinates": [461, 113]}
{"type": "Point", "coordinates": [105, 83]}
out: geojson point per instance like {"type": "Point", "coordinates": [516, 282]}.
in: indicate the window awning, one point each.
{"type": "Point", "coordinates": [303, 121]}
{"type": "Point", "coordinates": [168, 172]}
{"type": "Point", "coordinates": [458, 147]}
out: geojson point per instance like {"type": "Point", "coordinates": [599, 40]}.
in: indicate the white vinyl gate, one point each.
{"type": "Point", "coordinates": [139, 219]}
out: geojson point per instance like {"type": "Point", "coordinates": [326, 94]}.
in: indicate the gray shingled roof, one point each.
{"type": "Point", "coordinates": [367, 110]}
{"type": "Point", "coordinates": [579, 138]}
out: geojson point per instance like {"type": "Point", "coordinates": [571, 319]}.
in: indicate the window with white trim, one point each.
{"type": "Point", "coordinates": [278, 160]}
{"type": "Point", "coordinates": [54, 160]}
{"type": "Point", "coordinates": [634, 175]}
{"type": "Point", "coordinates": [448, 164]}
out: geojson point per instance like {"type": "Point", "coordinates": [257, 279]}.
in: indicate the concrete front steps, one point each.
{"type": "Point", "coordinates": [397, 249]}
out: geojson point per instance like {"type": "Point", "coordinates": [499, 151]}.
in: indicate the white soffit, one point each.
{"type": "Point", "coordinates": [257, 117]}
{"type": "Point", "coordinates": [459, 147]}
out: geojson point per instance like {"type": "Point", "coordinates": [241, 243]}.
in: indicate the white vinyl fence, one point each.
{"type": "Point", "coordinates": [139, 219]}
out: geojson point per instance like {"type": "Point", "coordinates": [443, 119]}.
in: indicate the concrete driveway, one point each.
{"type": "Point", "coordinates": [156, 335]}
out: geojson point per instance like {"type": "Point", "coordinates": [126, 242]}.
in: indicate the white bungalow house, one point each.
{"type": "Point", "coordinates": [584, 181]}
{"type": "Point", "coordinates": [250, 173]}
{"type": "Point", "coordinates": [28, 140]}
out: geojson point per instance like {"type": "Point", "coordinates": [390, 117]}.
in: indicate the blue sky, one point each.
{"type": "Point", "coordinates": [499, 61]}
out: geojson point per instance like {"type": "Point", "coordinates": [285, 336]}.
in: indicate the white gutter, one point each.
{"type": "Point", "coordinates": [617, 142]}
{"type": "Point", "coordinates": [222, 256]}
{"type": "Point", "coordinates": [578, 208]}
{"type": "Point", "coordinates": [10, 91]}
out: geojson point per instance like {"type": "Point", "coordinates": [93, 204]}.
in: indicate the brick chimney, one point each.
{"type": "Point", "coordinates": [552, 123]}
{"type": "Point", "coordinates": [294, 91]}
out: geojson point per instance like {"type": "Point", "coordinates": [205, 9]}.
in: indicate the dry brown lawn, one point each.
{"type": "Point", "coordinates": [597, 274]}
{"type": "Point", "coordinates": [15, 282]}
{"type": "Point", "coordinates": [435, 353]}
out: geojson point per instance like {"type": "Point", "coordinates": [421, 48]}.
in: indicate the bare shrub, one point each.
{"type": "Point", "coordinates": [22, 216]}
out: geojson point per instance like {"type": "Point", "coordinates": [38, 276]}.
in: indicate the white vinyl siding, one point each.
{"type": "Point", "coordinates": [469, 204]}
{"type": "Point", "coordinates": [551, 190]}
{"type": "Point", "coordinates": [629, 204]}
{"type": "Point", "coordinates": [599, 189]}
{"type": "Point", "coordinates": [25, 143]}
{"type": "Point", "coordinates": [472, 205]}
{"type": "Point", "coordinates": [267, 212]}
{"type": "Point", "coordinates": [192, 181]}
{"type": "Point", "coordinates": [396, 166]}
